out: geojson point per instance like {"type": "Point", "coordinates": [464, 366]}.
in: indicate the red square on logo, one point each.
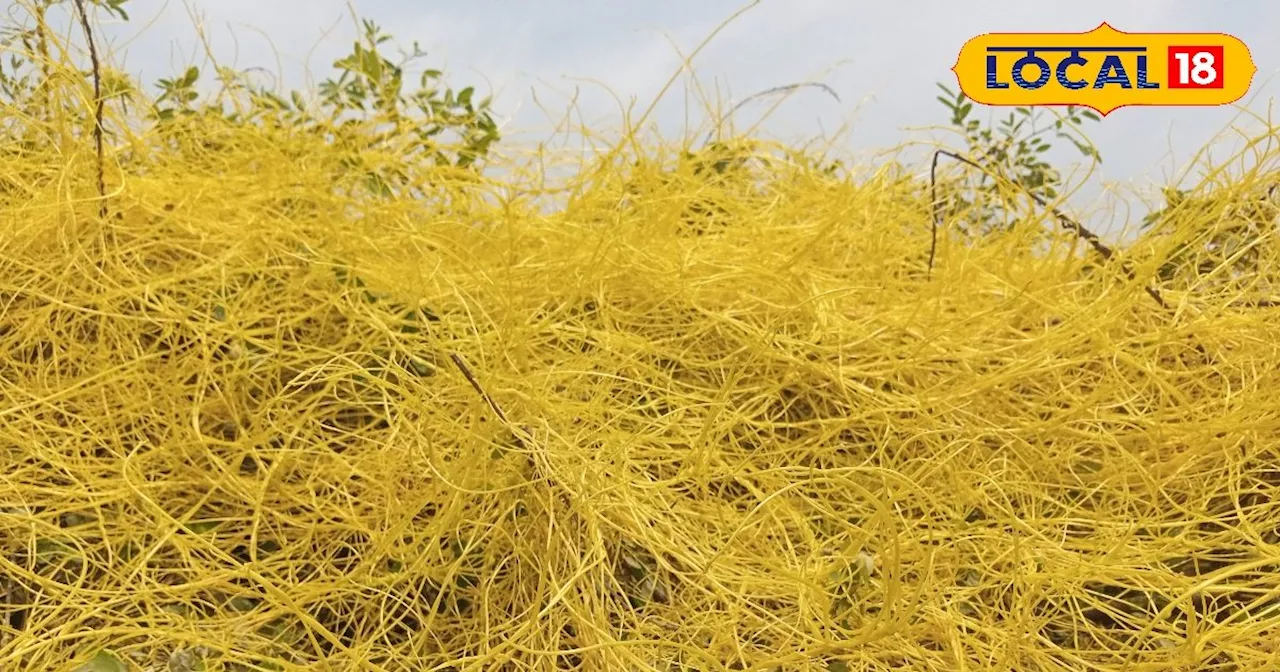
{"type": "Point", "coordinates": [1195, 67]}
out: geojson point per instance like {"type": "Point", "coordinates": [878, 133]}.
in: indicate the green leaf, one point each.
{"type": "Point", "coordinates": [409, 322]}
{"type": "Point", "coordinates": [202, 526]}
{"type": "Point", "coordinates": [420, 367]}
{"type": "Point", "coordinates": [243, 604]}
{"type": "Point", "coordinates": [1088, 114]}
{"type": "Point", "coordinates": [51, 550]}
{"type": "Point", "coordinates": [103, 662]}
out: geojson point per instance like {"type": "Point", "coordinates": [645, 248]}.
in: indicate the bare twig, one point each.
{"type": "Point", "coordinates": [786, 88]}
{"type": "Point", "coordinates": [493, 405]}
{"type": "Point", "coordinates": [99, 108]}
{"type": "Point", "coordinates": [1065, 221]}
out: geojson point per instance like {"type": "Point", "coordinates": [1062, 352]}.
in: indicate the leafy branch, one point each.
{"type": "Point", "coordinates": [1011, 152]}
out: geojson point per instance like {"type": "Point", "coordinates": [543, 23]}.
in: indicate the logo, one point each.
{"type": "Point", "coordinates": [1104, 69]}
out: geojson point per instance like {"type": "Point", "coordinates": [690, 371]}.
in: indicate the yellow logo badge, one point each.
{"type": "Point", "coordinates": [1104, 69]}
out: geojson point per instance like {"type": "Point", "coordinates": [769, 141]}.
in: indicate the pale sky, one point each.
{"type": "Point", "coordinates": [882, 58]}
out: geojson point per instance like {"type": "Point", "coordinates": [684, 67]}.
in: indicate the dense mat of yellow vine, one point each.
{"type": "Point", "coordinates": [249, 423]}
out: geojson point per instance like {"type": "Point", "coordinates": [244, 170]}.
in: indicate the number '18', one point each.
{"type": "Point", "coordinates": [1196, 67]}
